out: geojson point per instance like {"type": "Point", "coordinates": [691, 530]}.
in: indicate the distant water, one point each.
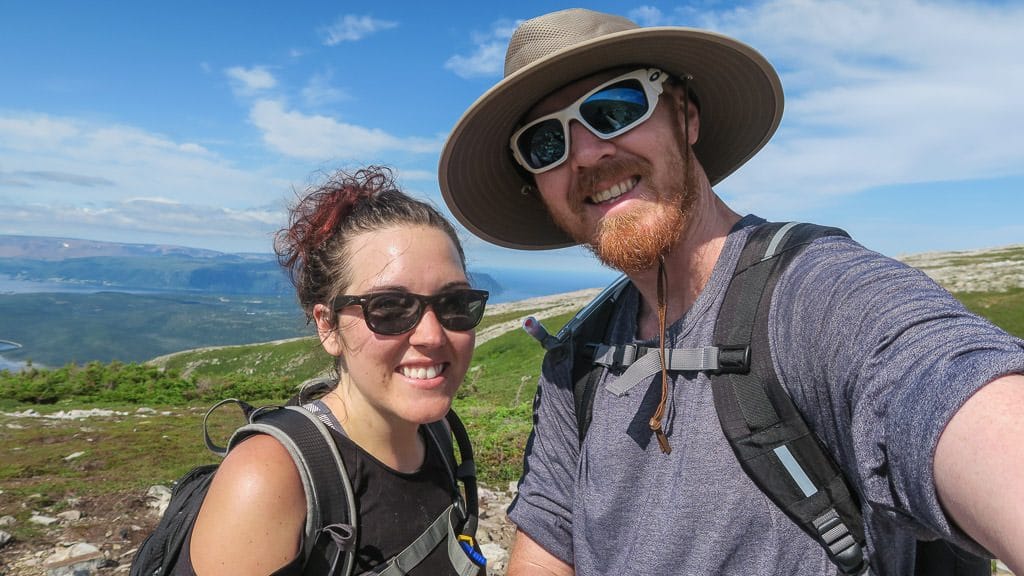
{"type": "Point", "coordinates": [516, 284]}
{"type": "Point", "coordinates": [10, 285]}
{"type": "Point", "coordinates": [520, 284]}
{"type": "Point", "coordinates": [11, 365]}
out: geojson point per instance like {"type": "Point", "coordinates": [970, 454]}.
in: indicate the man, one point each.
{"type": "Point", "coordinates": [612, 136]}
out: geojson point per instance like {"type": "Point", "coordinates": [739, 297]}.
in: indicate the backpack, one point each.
{"type": "Point", "coordinates": [772, 442]}
{"type": "Point", "coordinates": [329, 543]}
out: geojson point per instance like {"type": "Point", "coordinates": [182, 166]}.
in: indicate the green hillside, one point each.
{"type": "Point", "coordinates": [495, 402]}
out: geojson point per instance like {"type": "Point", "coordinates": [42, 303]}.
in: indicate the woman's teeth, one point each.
{"type": "Point", "coordinates": [615, 191]}
{"type": "Point", "coordinates": [422, 373]}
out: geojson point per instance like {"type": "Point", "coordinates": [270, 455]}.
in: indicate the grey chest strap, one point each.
{"type": "Point", "coordinates": [641, 363]}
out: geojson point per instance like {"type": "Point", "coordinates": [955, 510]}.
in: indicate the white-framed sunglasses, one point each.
{"type": "Point", "coordinates": [615, 107]}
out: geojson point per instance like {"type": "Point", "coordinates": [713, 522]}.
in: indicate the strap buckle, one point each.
{"type": "Point", "coordinates": [733, 359]}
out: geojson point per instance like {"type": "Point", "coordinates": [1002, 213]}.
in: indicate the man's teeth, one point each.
{"type": "Point", "coordinates": [614, 192]}
{"type": "Point", "coordinates": [422, 373]}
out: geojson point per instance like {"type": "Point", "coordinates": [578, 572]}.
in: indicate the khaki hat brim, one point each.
{"type": "Point", "coordinates": [741, 103]}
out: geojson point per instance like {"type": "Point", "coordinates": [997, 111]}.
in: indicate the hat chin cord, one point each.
{"type": "Point", "coordinates": [655, 422]}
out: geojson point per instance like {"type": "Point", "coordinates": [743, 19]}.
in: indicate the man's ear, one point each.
{"type": "Point", "coordinates": [686, 107]}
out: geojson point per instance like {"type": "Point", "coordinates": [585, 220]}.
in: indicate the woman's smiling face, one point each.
{"type": "Point", "coordinates": [410, 377]}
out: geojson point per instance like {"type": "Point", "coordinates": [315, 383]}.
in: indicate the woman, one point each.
{"type": "Point", "coordinates": [383, 277]}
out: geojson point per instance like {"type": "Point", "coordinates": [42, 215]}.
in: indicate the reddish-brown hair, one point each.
{"type": "Point", "coordinates": [313, 249]}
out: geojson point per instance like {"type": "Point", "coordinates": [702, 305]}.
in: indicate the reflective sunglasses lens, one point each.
{"type": "Point", "coordinates": [392, 312]}
{"type": "Point", "coordinates": [460, 311]}
{"type": "Point", "coordinates": [616, 107]}
{"type": "Point", "coordinates": [542, 144]}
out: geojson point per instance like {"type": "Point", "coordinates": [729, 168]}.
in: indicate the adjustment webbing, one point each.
{"type": "Point", "coordinates": [646, 365]}
{"type": "Point", "coordinates": [420, 548]}
{"type": "Point", "coordinates": [841, 544]}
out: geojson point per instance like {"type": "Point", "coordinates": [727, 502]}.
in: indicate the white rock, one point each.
{"type": "Point", "coordinates": [70, 515]}
{"type": "Point", "coordinates": [158, 497]}
{"type": "Point", "coordinates": [494, 553]}
{"type": "Point", "coordinates": [80, 558]}
{"type": "Point", "coordinates": [4, 538]}
{"type": "Point", "coordinates": [42, 520]}
{"type": "Point", "coordinates": [74, 455]}
{"type": "Point", "coordinates": [7, 520]}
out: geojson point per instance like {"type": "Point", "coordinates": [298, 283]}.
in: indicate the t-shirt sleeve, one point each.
{"type": "Point", "coordinates": [867, 344]}
{"type": "Point", "coordinates": [543, 506]}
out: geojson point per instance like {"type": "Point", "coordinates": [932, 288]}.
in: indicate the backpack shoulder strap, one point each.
{"type": "Point", "coordinates": [458, 524]}
{"type": "Point", "coordinates": [462, 551]}
{"type": "Point", "coordinates": [329, 542]}
{"type": "Point", "coordinates": [770, 438]}
{"type": "Point", "coordinates": [581, 337]}
{"type": "Point", "coordinates": [442, 433]}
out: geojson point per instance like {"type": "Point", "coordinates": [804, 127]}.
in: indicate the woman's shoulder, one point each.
{"type": "Point", "coordinates": [259, 467]}
{"type": "Point", "coordinates": [252, 517]}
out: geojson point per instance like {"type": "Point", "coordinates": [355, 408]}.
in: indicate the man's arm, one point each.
{"type": "Point", "coordinates": [529, 559]}
{"type": "Point", "coordinates": [979, 469]}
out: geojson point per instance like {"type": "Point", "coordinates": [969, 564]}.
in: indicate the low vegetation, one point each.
{"type": "Point", "coordinates": [152, 430]}
{"type": "Point", "coordinates": [152, 433]}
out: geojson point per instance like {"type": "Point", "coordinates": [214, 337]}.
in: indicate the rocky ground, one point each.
{"type": "Point", "coordinates": [100, 535]}
{"type": "Point", "coordinates": [994, 269]}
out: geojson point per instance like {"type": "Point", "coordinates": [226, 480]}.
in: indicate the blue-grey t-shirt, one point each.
{"type": "Point", "coordinates": [876, 356]}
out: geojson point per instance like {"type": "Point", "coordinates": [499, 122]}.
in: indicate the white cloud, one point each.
{"type": "Point", "coordinates": [647, 16]}
{"type": "Point", "coordinates": [316, 137]}
{"type": "Point", "coordinates": [250, 81]}
{"type": "Point", "coordinates": [883, 93]}
{"type": "Point", "coordinates": [34, 131]}
{"type": "Point", "coordinates": [350, 28]}
{"type": "Point", "coordinates": [61, 175]}
{"type": "Point", "coordinates": [417, 175]}
{"type": "Point", "coordinates": [488, 57]}
{"type": "Point", "coordinates": [30, 178]}
{"type": "Point", "coordinates": [319, 91]}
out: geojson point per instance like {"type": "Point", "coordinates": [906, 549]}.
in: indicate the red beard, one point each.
{"type": "Point", "coordinates": [632, 242]}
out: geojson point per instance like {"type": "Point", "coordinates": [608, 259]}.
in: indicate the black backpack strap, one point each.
{"type": "Point", "coordinates": [329, 542]}
{"type": "Point", "coordinates": [583, 334]}
{"type": "Point", "coordinates": [772, 442]}
{"type": "Point", "coordinates": [461, 515]}
{"type": "Point", "coordinates": [462, 518]}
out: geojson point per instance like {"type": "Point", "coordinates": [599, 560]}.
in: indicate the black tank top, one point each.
{"type": "Point", "coordinates": [393, 510]}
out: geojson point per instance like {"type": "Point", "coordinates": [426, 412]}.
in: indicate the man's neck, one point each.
{"type": "Point", "coordinates": [688, 266]}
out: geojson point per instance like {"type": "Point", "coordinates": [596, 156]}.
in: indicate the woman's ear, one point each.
{"type": "Point", "coordinates": [327, 329]}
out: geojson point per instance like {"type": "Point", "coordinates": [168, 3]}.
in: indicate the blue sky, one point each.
{"type": "Point", "coordinates": [194, 123]}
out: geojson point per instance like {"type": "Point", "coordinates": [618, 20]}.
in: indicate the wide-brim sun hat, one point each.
{"type": "Point", "coordinates": [739, 92]}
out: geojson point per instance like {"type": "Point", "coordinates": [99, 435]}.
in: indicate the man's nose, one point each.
{"type": "Point", "coordinates": [585, 147]}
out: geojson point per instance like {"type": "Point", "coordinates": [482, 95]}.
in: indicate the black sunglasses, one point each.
{"type": "Point", "coordinates": [395, 312]}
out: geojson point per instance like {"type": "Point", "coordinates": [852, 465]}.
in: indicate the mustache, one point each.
{"type": "Point", "coordinates": [588, 179]}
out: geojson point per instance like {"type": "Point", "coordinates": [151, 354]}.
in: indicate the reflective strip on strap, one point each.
{"type": "Point", "coordinates": [777, 238]}
{"type": "Point", "coordinates": [678, 359]}
{"type": "Point", "coordinates": [796, 471]}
